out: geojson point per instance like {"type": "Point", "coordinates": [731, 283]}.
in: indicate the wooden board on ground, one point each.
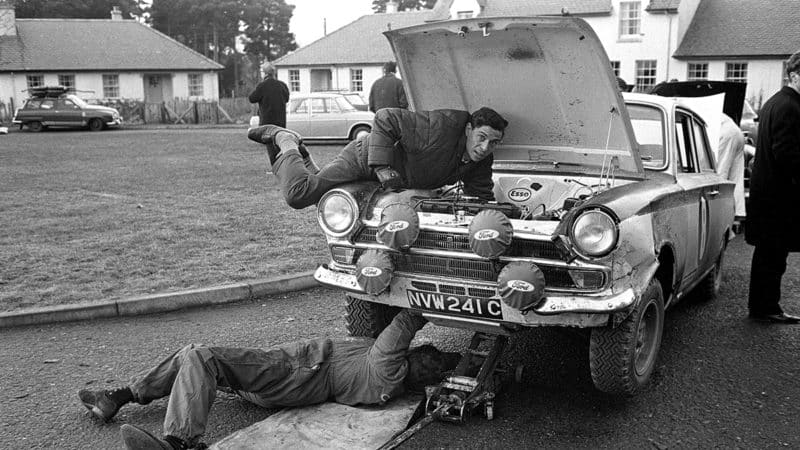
{"type": "Point", "coordinates": [325, 426]}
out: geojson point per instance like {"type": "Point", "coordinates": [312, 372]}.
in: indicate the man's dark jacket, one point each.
{"type": "Point", "coordinates": [271, 96]}
{"type": "Point", "coordinates": [427, 149]}
{"type": "Point", "coordinates": [387, 92]}
{"type": "Point", "coordinates": [773, 214]}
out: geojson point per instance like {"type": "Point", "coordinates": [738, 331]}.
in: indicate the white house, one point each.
{"type": "Point", "coordinates": [103, 59]}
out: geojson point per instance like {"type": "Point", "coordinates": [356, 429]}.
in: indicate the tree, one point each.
{"type": "Point", "coordinates": [76, 9]}
{"type": "Point", "coordinates": [266, 29]}
{"type": "Point", "coordinates": [209, 27]}
{"type": "Point", "coordinates": [379, 6]}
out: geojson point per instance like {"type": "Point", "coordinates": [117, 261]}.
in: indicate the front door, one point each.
{"type": "Point", "coordinates": [153, 88]}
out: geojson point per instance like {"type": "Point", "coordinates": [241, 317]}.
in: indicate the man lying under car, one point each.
{"type": "Point", "coordinates": [411, 149]}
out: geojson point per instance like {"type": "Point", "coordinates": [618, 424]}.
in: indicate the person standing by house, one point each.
{"type": "Point", "coordinates": [387, 91]}
{"type": "Point", "coordinates": [271, 95]}
{"type": "Point", "coordinates": [772, 216]}
{"type": "Point", "coordinates": [730, 163]}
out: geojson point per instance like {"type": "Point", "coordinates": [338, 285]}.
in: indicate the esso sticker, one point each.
{"type": "Point", "coordinates": [519, 194]}
{"type": "Point", "coordinates": [519, 285]}
{"type": "Point", "coordinates": [397, 225]}
{"type": "Point", "coordinates": [371, 271]}
{"type": "Point", "coordinates": [485, 235]}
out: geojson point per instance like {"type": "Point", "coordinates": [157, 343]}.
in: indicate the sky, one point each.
{"type": "Point", "coordinates": [309, 16]}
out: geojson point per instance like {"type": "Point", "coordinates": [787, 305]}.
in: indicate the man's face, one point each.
{"type": "Point", "coordinates": [794, 79]}
{"type": "Point", "coordinates": [482, 141]}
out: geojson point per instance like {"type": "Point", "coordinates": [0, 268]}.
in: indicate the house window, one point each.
{"type": "Point", "coordinates": [630, 18]}
{"type": "Point", "coordinates": [195, 85]}
{"type": "Point", "coordinates": [68, 81]}
{"type": "Point", "coordinates": [697, 71]}
{"type": "Point", "coordinates": [615, 68]}
{"type": "Point", "coordinates": [294, 80]}
{"type": "Point", "coordinates": [111, 86]}
{"type": "Point", "coordinates": [736, 72]}
{"type": "Point", "coordinates": [645, 75]}
{"type": "Point", "coordinates": [35, 81]}
{"type": "Point", "coordinates": [356, 80]}
{"type": "Point", "coordinates": [464, 14]}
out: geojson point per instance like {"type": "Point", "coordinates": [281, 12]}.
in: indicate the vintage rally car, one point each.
{"type": "Point", "coordinates": [607, 211]}
{"type": "Point", "coordinates": [53, 106]}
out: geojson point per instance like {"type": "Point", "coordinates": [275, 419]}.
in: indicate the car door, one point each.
{"type": "Point", "coordinates": [297, 116]}
{"type": "Point", "coordinates": [325, 118]}
{"type": "Point", "coordinates": [47, 111]}
{"type": "Point", "coordinates": [717, 197]}
{"type": "Point", "coordinates": [67, 113]}
{"type": "Point", "coordinates": [693, 202]}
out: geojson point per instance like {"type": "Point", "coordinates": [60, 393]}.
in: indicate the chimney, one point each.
{"type": "Point", "coordinates": [8, 18]}
{"type": "Point", "coordinates": [116, 14]}
{"type": "Point", "coordinates": [391, 6]}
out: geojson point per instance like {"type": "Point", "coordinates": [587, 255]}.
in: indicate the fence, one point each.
{"type": "Point", "coordinates": [179, 111]}
{"type": "Point", "coordinates": [6, 111]}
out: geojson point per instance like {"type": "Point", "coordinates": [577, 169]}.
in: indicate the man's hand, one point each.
{"type": "Point", "coordinates": [388, 177]}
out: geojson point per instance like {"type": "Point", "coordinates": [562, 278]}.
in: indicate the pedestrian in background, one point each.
{"type": "Point", "coordinates": [271, 95]}
{"type": "Point", "coordinates": [387, 91]}
{"type": "Point", "coordinates": [773, 217]}
{"type": "Point", "coordinates": [730, 164]}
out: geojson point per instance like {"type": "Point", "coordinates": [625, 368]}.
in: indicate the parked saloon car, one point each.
{"type": "Point", "coordinates": [590, 228]}
{"type": "Point", "coordinates": [52, 107]}
{"type": "Point", "coordinates": [324, 115]}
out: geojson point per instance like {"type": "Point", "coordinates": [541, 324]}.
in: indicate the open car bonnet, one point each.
{"type": "Point", "coordinates": [548, 76]}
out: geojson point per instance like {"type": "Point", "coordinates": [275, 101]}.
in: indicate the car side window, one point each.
{"type": "Point", "coordinates": [683, 138]}
{"type": "Point", "coordinates": [66, 104]}
{"type": "Point", "coordinates": [317, 105]}
{"type": "Point", "coordinates": [47, 104]}
{"type": "Point", "coordinates": [704, 160]}
{"type": "Point", "coordinates": [33, 104]}
{"type": "Point", "coordinates": [331, 106]}
{"type": "Point", "coordinates": [300, 107]}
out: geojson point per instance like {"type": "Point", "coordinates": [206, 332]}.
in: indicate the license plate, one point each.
{"type": "Point", "coordinates": [461, 305]}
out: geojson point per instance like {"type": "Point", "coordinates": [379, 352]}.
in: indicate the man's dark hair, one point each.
{"type": "Point", "coordinates": [488, 116]}
{"type": "Point", "coordinates": [793, 64]}
{"type": "Point", "coordinates": [389, 67]}
{"type": "Point", "coordinates": [427, 366]}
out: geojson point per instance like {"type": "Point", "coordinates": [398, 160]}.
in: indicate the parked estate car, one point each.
{"type": "Point", "coordinates": [52, 106]}
{"type": "Point", "coordinates": [326, 115]}
{"type": "Point", "coordinates": [607, 211]}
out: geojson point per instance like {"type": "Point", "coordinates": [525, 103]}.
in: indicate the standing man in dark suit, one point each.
{"type": "Point", "coordinates": [387, 91]}
{"type": "Point", "coordinates": [271, 96]}
{"type": "Point", "coordinates": [773, 217]}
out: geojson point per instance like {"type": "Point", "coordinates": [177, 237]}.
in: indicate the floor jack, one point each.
{"type": "Point", "coordinates": [454, 399]}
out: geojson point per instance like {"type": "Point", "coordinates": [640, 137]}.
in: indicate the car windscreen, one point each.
{"type": "Point", "coordinates": [648, 127]}
{"type": "Point", "coordinates": [355, 99]}
{"type": "Point", "coordinates": [78, 101]}
{"type": "Point", "coordinates": [344, 104]}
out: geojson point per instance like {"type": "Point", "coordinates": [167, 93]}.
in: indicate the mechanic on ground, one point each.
{"type": "Point", "coordinates": [351, 371]}
{"type": "Point", "coordinates": [422, 150]}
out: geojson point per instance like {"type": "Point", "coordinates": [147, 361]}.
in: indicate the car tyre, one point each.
{"type": "Point", "coordinates": [367, 319]}
{"type": "Point", "coordinates": [708, 289]}
{"type": "Point", "coordinates": [95, 124]}
{"type": "Point", "coordinates": [622, 358]}
{"type": "Point", "coordinates": [359, 131]}
{"type": "Point", "coordinates": [35, 126]}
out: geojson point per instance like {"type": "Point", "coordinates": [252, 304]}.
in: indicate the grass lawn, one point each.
{"type": "Point", "coordinates": [99, 216]}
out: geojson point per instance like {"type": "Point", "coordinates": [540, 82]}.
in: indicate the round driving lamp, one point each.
{"type": "Point", "coordinates": [490, 233]}
{"type": "Point", "coordinates": [374, 271]}
{"type": "Point", "coordinates": [594, 233]}
{"type": "Point", "coordinates": [337, 213]}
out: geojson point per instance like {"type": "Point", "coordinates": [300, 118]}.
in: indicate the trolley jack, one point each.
{"type": "Point", "coordinates": [454, 398]}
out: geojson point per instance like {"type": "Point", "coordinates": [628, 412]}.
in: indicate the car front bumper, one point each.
{"type": "Point", "coordinates": [555, 309]}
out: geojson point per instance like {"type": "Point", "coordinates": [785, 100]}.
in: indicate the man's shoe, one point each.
{"type": "Point", "coordinates": [781, 317]}
{"type": "Point", "coordinates": [265, 134]}
{"type": "Point", "coordinates": [105, 404]}
{"type": "Point", "coordinates": [136, 438]}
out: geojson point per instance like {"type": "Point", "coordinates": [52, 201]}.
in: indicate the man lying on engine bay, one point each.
{"type": "Point", "coordinates": [410, 149]}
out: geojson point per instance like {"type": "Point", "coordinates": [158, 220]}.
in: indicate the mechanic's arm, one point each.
{"type": "Point", "coordinates": [388, 353]}
{"type": "Point", "coordinates": [255, 96]}
{"type": "Point", "coordinates": [478, 181]}
{"type": "Point", "coordinates": [401, 97]}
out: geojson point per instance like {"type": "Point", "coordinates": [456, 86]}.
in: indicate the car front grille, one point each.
{"type": "Point", "coordinates": [437, 240]}
{"type": "Point", "coordinates": [483, 270]}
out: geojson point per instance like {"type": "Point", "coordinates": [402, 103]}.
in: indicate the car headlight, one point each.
{"type": "Point", "coordinates": [337, 213]}
{"type": "Point", "coordinates": [594, 233]}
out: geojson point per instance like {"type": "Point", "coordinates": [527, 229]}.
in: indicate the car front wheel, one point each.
{"type": "Point", "coordinates": [366, 318]}
{"type": "Point", "coordinates": [622, 358]}
{"type": "Point", "coordinates": [95, 125]}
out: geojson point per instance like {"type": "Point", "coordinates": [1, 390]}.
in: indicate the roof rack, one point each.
{"type": "Point", "coordinates": [47, 91]}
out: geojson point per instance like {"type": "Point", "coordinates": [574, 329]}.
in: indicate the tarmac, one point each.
{"type": "Point", "coordinates": [157, 303]}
